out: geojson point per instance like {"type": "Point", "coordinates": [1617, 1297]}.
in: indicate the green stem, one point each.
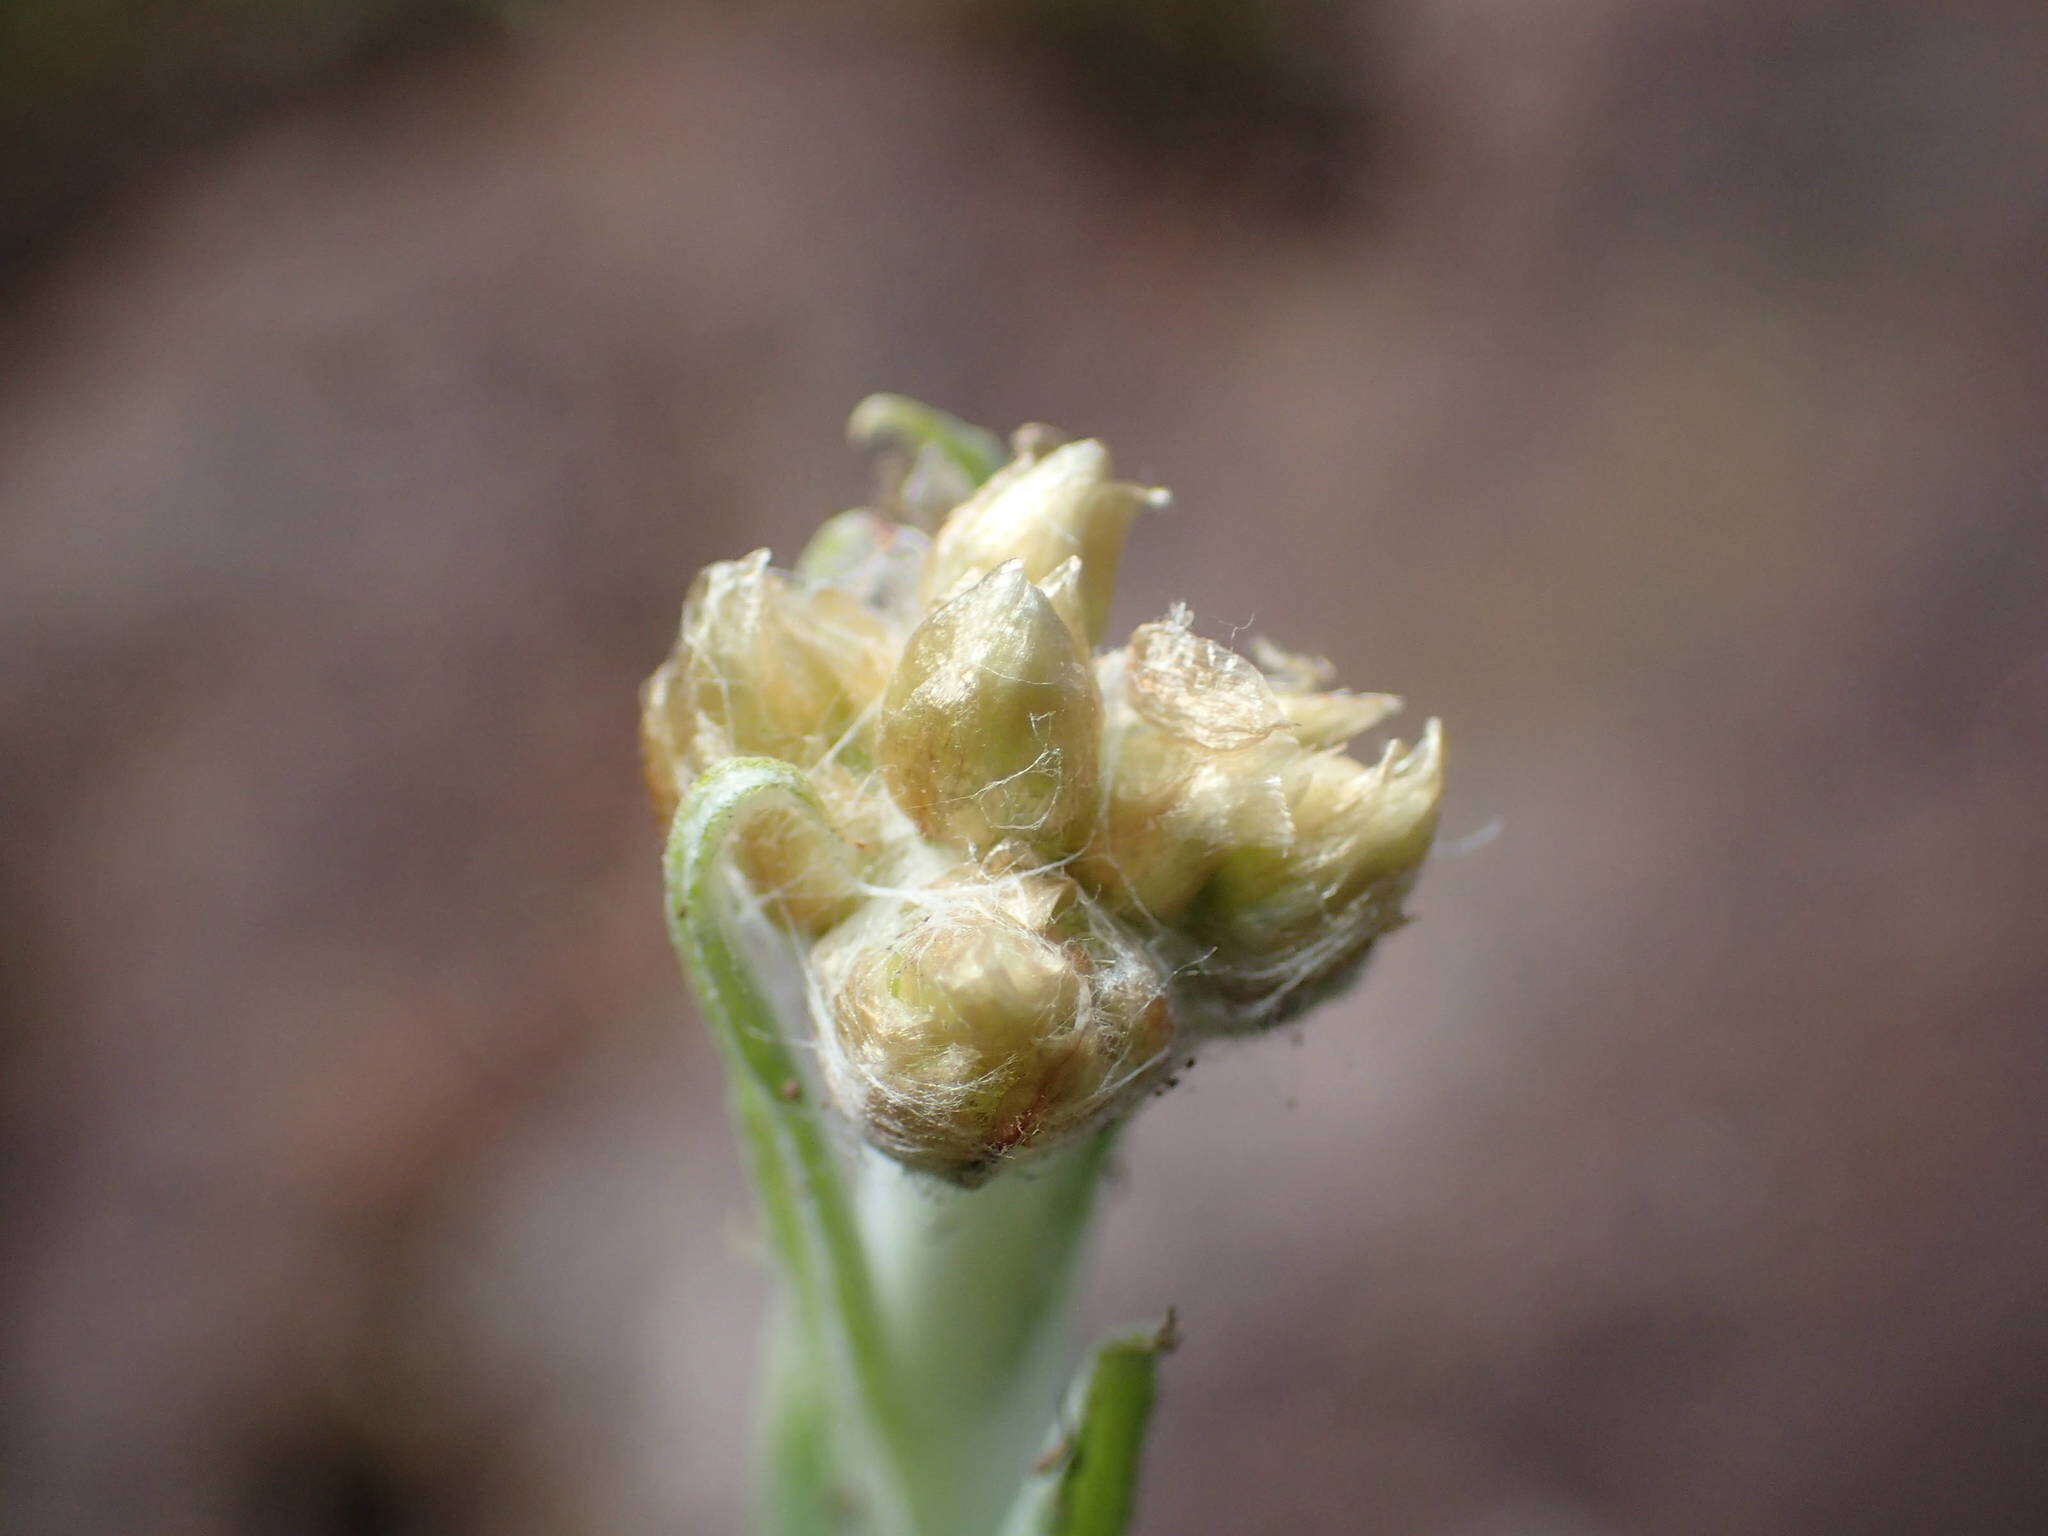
{"type": "Point", "coordinates": [801, 1494]}
{"type": "Point", "coordinates": [974, 1286]}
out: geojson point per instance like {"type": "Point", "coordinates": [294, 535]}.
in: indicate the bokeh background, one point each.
{"type": "Point", "coordinates": [1659, 393]}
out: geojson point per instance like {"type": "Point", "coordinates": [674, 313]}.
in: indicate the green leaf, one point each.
{"type": "Point", "coordinates": [802, 1191]}
{"type": "Point", "coordinates": [1088, 1480]}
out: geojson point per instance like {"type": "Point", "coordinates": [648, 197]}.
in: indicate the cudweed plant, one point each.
{"type": "Point", "coordinates": [958, 888]}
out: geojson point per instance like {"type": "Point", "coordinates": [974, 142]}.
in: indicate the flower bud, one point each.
{"type": "Point", "coordinates": [1316, 714]}
{"type": "Point", "coordinates": [1331, 718]}
{"type": "Point", "coordinates": [798, 864]}
{"type": "Point", "coordinates": [991, 726]}
{"type": "Point", "coordinates": [1173, 811]}
{"type": "Point", "coordinates": [976, 1034]}
{"type": "Point", "coordinates": [771, 669]}
{"type": "Point", "coordinates": [1285, 921]}
{"type": "Point", "coordinates": [1193, 757]}
{"type": "Point", "coordinates": [799, 867]}
{"type": "Point", "coordinates": [870, 558]}
{"type": "Point", "coordinates": [667, 724]}
{"type": "Point", "coordinates": [1041, 511]}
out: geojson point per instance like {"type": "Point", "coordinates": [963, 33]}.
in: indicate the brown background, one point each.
{"type": "Point", "coordinates": [1656, 393]}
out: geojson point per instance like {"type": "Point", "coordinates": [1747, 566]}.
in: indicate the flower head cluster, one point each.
{"type": "Point", "coordinates": [1042, 871]}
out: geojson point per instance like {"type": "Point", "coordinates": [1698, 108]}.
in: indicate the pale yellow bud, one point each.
{"type": "Point", "coordinates": [1043, 511]}
{"type": "Point", "coordinates": [775, 670]}
{"type": "Point", "coordinates": [991, 726]}
{"type": "Point", "coordinates": [983, 1030]}
{"type": "Point", "coordinates": [1173, 813]}
{"type": "Point", "coordinates": [1193, 755]}
{"type": "Point", "coordinates": [799, 867]}
{"type": "Point", "coordinates": [1012, 880]}
{"type": "Point", "coordinates": [1331, 719]}
{"type": "Point", "coordinates": [805, 873]}
{"type": "Point", "coordinates": [1286, 921]}
{"type": "Point", "coordinates": [667, 724]}
{"type": "Point", "coordinates": [1316, 714]}
{"type": "Point", "coordinates": [872, 559]}
{"type": "Point", "coordinates": [858, 804]}
{"type": "Point", "coordinates": [764, 666]}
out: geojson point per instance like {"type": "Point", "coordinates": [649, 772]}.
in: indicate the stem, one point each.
{"type": "Point", "coordinates": [974, 1286]}
{"type": "Point", "coordinates": [800, 1496]}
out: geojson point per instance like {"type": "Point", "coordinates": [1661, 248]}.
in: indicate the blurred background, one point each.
{"type": "Point", "coordinates": [1657, 393]}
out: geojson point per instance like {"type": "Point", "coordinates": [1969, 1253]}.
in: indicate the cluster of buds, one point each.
{"type": "Point", "coordinates": [1042, 871]}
